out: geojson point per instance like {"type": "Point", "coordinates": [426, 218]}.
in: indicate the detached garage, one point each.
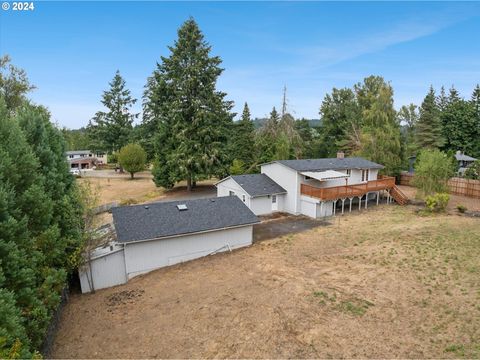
{"type": "Point", "coordinates": [162, 234]}
{"type": "Point", "coordinates": [259, 192]}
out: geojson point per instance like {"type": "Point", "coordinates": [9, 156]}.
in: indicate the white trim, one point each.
{"type": "Point", "coordinates": [188, 233]}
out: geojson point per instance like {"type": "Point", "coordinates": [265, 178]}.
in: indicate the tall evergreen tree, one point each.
{"type": "Point", "coordinates": [339, 112]}
{"type": "Point", "coordinates": [429, 127]}
{"type": "Point", "coordinates": [458, 123]}
{"type": "Point", "coordinates": [244, 139]}
{"type": "Point", "coordinates": [192, 118]}
{"type": "Point", "coordinates": [266, 138]}
{"type": "Point", "coordinates": [111, 130]}
{"type": "Point", "coordinates": [475, 101]}
{"type": "Point", "coordinates": [40, 224]}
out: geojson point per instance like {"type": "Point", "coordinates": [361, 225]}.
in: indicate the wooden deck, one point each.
{"type": "Point", "coordinates": [347, 191]}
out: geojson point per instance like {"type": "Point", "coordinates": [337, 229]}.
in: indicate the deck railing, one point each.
{"type": "Point", "coordinates": [346, 191]}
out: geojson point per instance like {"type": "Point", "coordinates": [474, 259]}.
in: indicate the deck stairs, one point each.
{"type": "Point", "coordinates": [398, 195]}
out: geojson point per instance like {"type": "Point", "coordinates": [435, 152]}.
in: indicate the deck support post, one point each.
{"type": "Point", "coordinates": [366, 200]}
{"type": "Point", "coordinates": [334, 207]}
{"type": "Point", "coordinates": [351, 200]}
{"type": "Point", "coordinates": [378, 197]}
{"type": "Point", "coordinates": [343, 205]}
{"type": "Point", "coordinates": [360, 202]}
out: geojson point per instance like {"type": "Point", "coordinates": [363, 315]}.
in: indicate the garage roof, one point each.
{"type": "Point", "coordinates": [165, 219]}
{"type": "Point", "coordinates": [258, 185]}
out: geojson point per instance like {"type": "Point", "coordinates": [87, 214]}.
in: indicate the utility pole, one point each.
{"type": "Point", "coordinates": [284, 102]}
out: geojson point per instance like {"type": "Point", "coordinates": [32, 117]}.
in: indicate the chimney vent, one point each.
{"type": "Point", "coordinates": [340, 155]}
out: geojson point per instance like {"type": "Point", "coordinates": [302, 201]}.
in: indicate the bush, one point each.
{"type": "Point", "coordinates": [432, 171]}
{"type": "Point", "coordinates": [473, 171]}
{"type": "Point", "coordinates": [132, 158]}
{"type": "Point", "coordinates": [437, 202]}
{"type": "Point", "coordinates": [461, 208]}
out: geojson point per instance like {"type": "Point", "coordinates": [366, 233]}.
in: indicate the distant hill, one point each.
{"type": "Point", "coordinates": [258, 122]}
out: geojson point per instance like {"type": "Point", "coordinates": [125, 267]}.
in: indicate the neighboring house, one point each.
{"type": "Point", "coordinates": [464, 161]}
{"type": "Point", "coordinates": [314, 187]}
{"type": "Point", "coordinates": [156, 235]}
{"type": "Point", "coordinates": [260, 193]}
{"type": "Point", "coordinates": [85, 159]}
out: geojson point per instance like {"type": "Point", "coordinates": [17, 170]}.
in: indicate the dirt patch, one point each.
{"type": "Point", "coordinates": [381, 283]}
{"type": "Point", "coordinates": [123, 297]}
{"type": "Point", "coordinates": [284, 225]}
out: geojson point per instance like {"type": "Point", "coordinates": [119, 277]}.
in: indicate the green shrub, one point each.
{"type": "Point", "coordinates": [437, 202]}
{"type": "Point", "coordinates": [432, 171]}
{"type": "Point", "coordinates": [461, 208]}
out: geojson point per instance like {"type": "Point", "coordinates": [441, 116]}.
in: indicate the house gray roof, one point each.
{"type": "Point", "coordinates": [330, 164]}
{"type": "Point", "coordinates": [165, 219]}
{"type": "Point", "coordinates": [462, 157]}
{"type": "Point", "coordinates": [258, 184]}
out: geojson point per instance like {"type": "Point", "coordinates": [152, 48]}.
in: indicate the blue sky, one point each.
{"type": "Point", "coordinates": [71, 50]}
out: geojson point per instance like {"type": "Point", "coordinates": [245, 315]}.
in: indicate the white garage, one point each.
{"type": "Point", "coordinates": [260, 193]}
{"type": "Point", "coordinates": [166, 233]}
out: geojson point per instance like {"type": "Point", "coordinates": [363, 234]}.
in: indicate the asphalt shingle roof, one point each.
{"type": "Point", "coordinates": [162, 219]}
{"type": "Point", "coordinates": [330, 164]}
{"type": "Point", "coordinates": [463, 157]}
{"type": "Point", "coordinates": [258, 184]}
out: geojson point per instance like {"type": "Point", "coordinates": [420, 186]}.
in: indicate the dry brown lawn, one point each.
{"type": "Point", "coordinates": [383, 283]}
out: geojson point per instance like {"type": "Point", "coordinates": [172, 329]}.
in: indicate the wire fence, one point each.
{"type": "Point", "coordinates": [46, 348]}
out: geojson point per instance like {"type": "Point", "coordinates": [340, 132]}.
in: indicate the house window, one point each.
{"type": "Point", "coordinates": [70, 156]}
{"type": "Point", "coordinates": [349, 172]}
{"type": "Point", "coordinates": [365, 175]}
{"type": "Point", "coordinates": [243, 198]}
{"type": "Point", "coordinates": [231, 193]}
{"type": "Point", "coordinates": [274, 199]}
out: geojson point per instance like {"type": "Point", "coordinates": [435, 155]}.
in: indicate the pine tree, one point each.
{"type": "Point", "coordinates": [475, 101]}
{"type": "Point", "coordinates": [192, 119]}
{"type": "Point", "coordinates": [266, 138]}
{"type": "Point", "coordinates": [111, 130]}
{"type": "Point", "coordinates": [244, 139]}
{"type": "Point", "coordinates": [442, 100]}
{"type": "Point", "coordinates": [429, 126]}
{"type": "Point", "coordinates": [458, 122]}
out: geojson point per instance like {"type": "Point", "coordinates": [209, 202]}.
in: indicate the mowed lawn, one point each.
{"type": "Point", "coordinates": [382, 283]}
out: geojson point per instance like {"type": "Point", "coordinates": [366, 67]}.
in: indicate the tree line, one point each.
{"type": "Point", "coordinates": [41, 223]}
{"type": "Point", "coordinates": [188, 132]}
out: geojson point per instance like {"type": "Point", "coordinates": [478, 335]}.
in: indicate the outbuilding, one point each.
{"type": "Point", "coordinates": [259, 192]}
{"type": "Point", "coordinates": [160, 234]}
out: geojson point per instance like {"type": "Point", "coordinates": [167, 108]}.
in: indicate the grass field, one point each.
{"type": "Point", "coordinates": [382, 283]}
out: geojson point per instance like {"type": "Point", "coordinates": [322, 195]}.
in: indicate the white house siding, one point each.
{"type": "Point", "coordinates": [262, 205]}
{"type": "Point", "coordinates": [324, 209]}
{"type": "Point", "coordinates": [142, 257]}
{"type": "Point", "coordinates": [107, 271]}
{"type": "Point", "coordinates": [224, 188]}
{"type": "Point", "coordinates": [288, 179]}
{"type": "Point", "coordinates": [308, 206]}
